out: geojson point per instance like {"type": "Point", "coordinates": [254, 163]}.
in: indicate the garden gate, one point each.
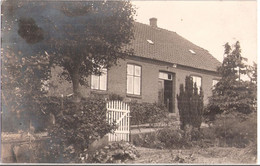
{"type": "Point", "coordinates": [119, 113]}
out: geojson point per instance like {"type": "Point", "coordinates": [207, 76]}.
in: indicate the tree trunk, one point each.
{"type": "Point", "coordinates": [75, 82]}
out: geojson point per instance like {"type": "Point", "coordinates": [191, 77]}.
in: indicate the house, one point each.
{"type": "Point", "coordinates": [162, 58]}
{"type": "Point", "coordinates": [162, 61]}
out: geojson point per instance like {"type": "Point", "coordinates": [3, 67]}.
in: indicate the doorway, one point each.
{"type": "Point", "coordinates": [165, 91]}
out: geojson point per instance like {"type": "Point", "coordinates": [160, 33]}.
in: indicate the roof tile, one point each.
{"type": "Point", "coordinates": [170, 47]}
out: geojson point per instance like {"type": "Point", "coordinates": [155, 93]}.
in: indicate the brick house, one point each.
{"type": "Point", "coordinates": [162, 61]}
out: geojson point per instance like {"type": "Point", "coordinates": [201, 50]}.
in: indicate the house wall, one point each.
{"type": "Point", "coordinates": [149, 83]}
{"type": "Point", "coordinates": [117, 80]}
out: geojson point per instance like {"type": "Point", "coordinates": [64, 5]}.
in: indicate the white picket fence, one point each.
{"type": "Point", "coordinates": [118, 112]}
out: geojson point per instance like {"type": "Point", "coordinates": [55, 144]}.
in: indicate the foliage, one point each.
{"type": "Point", "coordinates": [252, 73]}
{"type": "Point", "coordinates": [172, 138]}
{"type": "Point", "coordinates": [81, 37]}
{"type": "Point", "coordinates": [22, 93]}
{"type": "Point", "coordinates": [190, 104]}
{"type": "Point", "coordinates": [142, 113]}
{"type": "Point", "coordinates": [148, 140]}
{"type": "Point", "coordinates": [231, 93]}
{"type": "Point", "coordinates": [23, 70]}
{"type": "Point", "coordinates": [235, 129]}
{"type": "Point", "coordinates": [169, 137]}
{"type": "Point", "coordinates": [115, 152]}
{"type": "Point", "coordinates": [107, 29]}
{"type": "Point", "coordinates": [77, 125]}
{"type": "Point", "coordinates": [115, 97]}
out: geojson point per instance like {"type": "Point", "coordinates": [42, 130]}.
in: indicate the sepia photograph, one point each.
{"type": "Point", "coordinates": [129, 82]}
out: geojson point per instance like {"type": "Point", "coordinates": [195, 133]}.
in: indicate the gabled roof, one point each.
{"type": "Point", "coordinates": [160, 44]}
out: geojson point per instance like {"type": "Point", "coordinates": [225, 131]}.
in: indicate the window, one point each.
{"type": "Point", "coordinates": [165, 76]}
{"type": "Point", "coordinates": [133, 79]}
{"type": "Point", "coordinates": [197, 80]}
{"type": "Point", "coordinates": [214, 82]}
{"type": "Point", "coordinates": [99, 82]}
{"type": "Point", "coordinates": [150, 41]}
{"type": "Point", "coordinates": [193, 52]}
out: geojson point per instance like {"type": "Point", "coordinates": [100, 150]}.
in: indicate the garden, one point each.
{"type": "Point", "coordinates": [230, 135]}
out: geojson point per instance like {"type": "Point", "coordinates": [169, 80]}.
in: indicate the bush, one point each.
{"type": "Point", "coordinates": [190, 104]}
{"type": "Point", "coordinates": [142, 113]}
{"type": "Point", "coordinates": [236, 130]}
{"type": "Point", "coordinates": [233, 130]}
{"type": "Point", "coordinates": [148, 140]}
{"type": "Point", "coordinates": [116, 97]}
{"type": "Point", "coordinates": [172, 138]}
{"type": "Point", "coordinates": [77, 126]}
{"type": "Point", "coordinates": [115, 152]}
{"type": "Point", "coordinates": [209, 133]}
{"type": "Point", "coordinates": [17, 121]}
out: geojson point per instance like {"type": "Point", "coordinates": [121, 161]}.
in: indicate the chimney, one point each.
{"type": "Point", "coordinates": [153, 22]}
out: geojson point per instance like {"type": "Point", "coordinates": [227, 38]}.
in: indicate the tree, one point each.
{"type": "Point", "coordinates": [94, 38]}
{"type": "Point", "coordinates": [190, 104]}
{"type": "Point", "coordinates": [81, 37]}
{"type": "Point", "coordinates": [23, 74]}
{"type": "Point", "coordinates": [252, 73]}
{"type": "Point", "coordinates": [233, 65]}
{"type": "Point", "coordinates": [231, 93]}
{"type": "Point", "coordinates": [22, 79]}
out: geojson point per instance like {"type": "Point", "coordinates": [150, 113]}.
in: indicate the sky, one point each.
{"type": "Point", "coordinates": [208, 24]}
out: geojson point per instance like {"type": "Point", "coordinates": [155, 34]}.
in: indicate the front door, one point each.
{"type": "Point", "coordinates": [161, 92]}
{"type": "Point", "coordinates": [168, 94]}
{"type": "Point", "coordinates": [165, 90]}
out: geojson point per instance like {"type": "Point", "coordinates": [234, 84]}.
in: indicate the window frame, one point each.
{"type": "Point", "coordinates": [133, 94]}
{"type": "Point", "coordinates": [201, 85]}
{"type": "Point", "coordinates": [168, 73]}
{"type": "Point", "coordinates": [91, 79]}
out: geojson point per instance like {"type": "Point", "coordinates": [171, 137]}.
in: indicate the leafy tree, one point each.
{"type": "Point", "coordinates": [81, 37]}
{"type": "Point", "coordinates": [231, 93]}
{"type": "Point", "coordinates": [252, 73]}
{"type": "Point", "coordinates": [23, 74]}
{"type": "Point", "coordinates": [93, 38]}
{"type": "Point", "coordinates": [190, 104]}
{"type": "Point", "coordinates": [22, 79]}
{"type": "Point", "coordinates": [233, 65]}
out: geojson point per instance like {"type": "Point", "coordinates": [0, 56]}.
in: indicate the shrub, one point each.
{"type": "Point", "coordinates": [115, 152]}
{"type": "Point", "coordinates": [208, 133]}
{"type": "Point", "coordinates": [142, 113]}
{"type": "Point", "coordinates": [17, 121]}
{"type": "Point", "coordinates": [173, 138]}
{"type": "Point", "coordinates": [77, 126]}
{"type": "Point", "coordinates": [190, 104]}
{"type": "Point", "coordinates": [170, 137]}
{"type": "Point", "coordinates": [148, 140]}
{"type": "Point", "coordinates": [234, 130]}
{"type": "Point", "coordinates": [116, 97]}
